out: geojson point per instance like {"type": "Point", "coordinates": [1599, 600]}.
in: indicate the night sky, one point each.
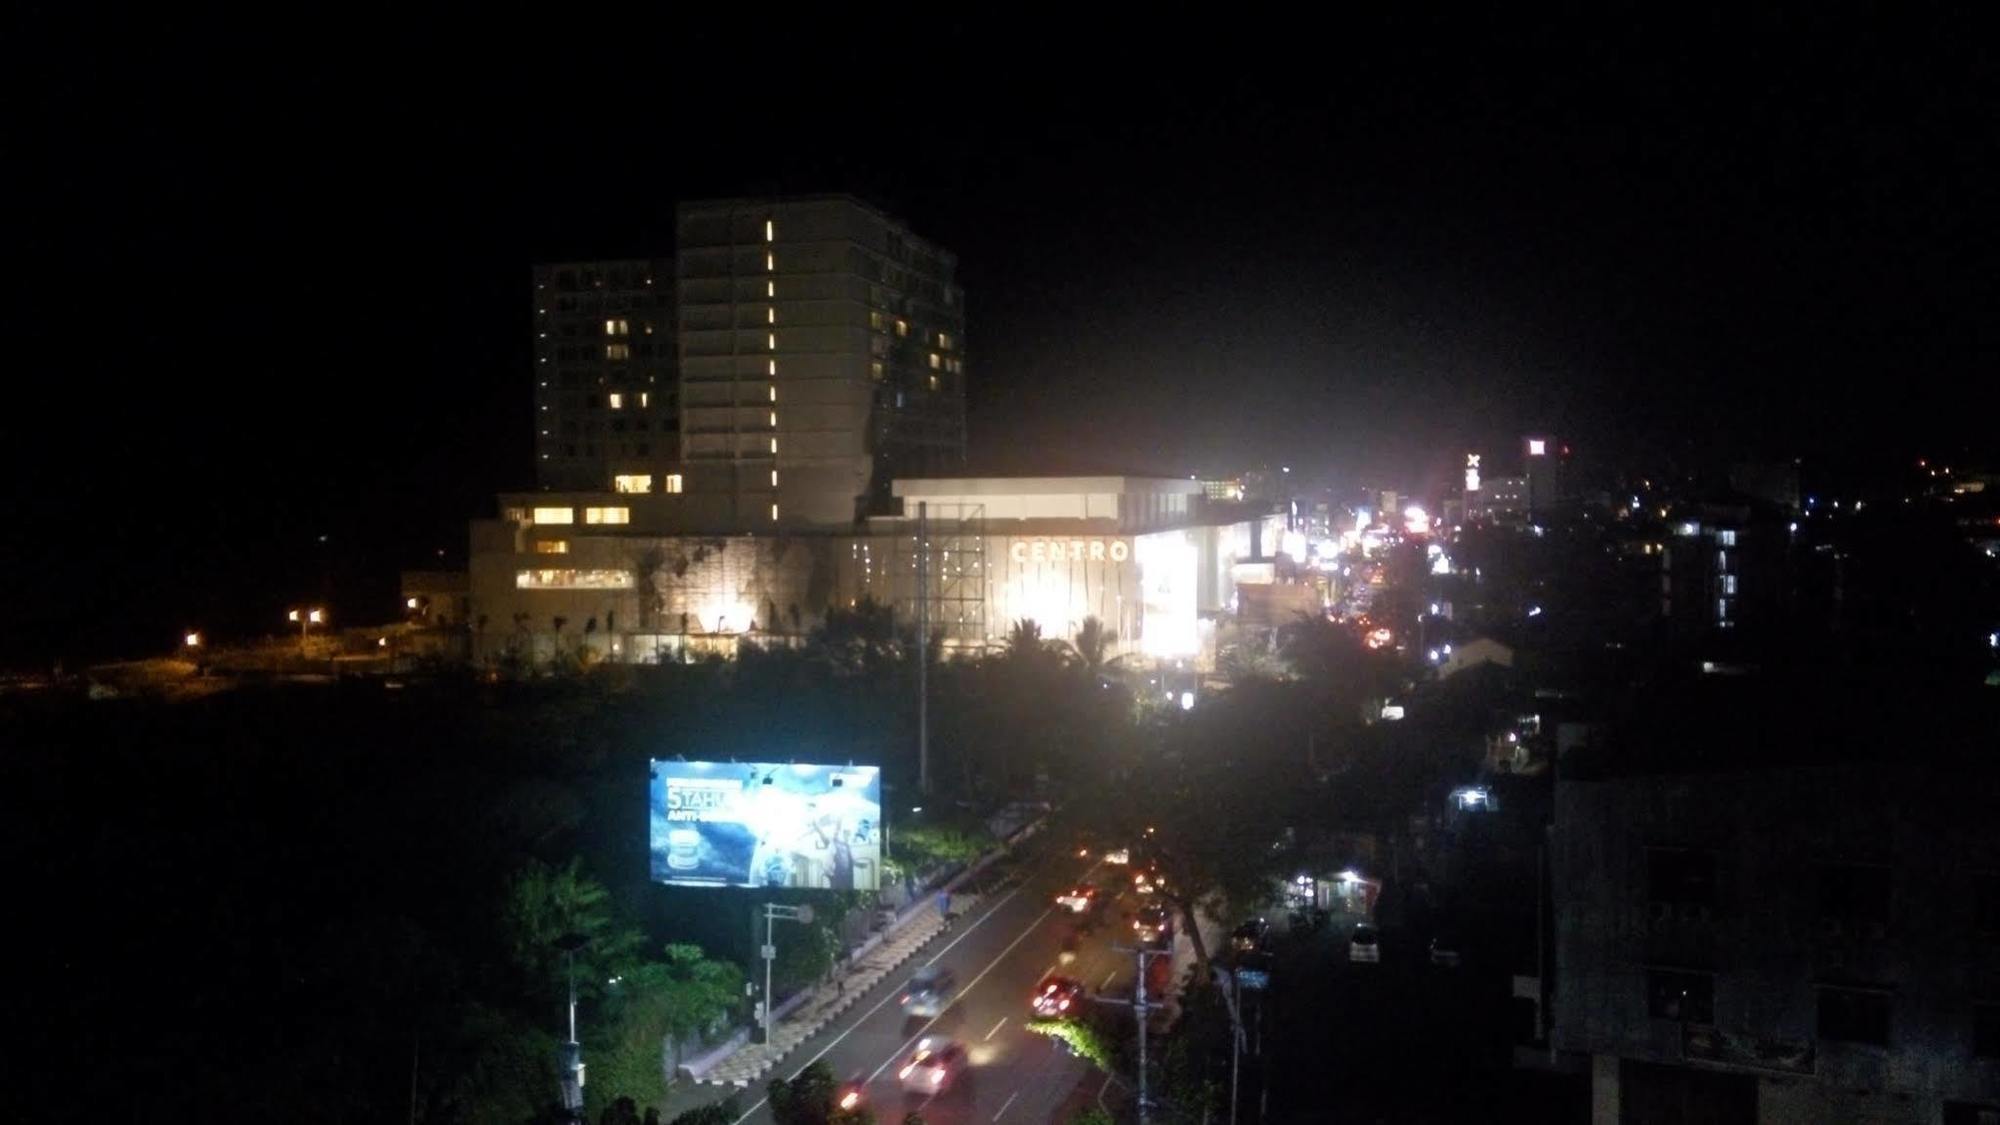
{"type": "Point", "coordinates": [277, 290]}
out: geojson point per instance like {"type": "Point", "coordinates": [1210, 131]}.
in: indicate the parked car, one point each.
{"type": "Point", "coordinates": [1250, 936]}
{"type": "Point", "coordinates": [1365, 946]}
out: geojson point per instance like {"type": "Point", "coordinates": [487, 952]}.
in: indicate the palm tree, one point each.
{"type": "Point", "coordinates": [1025, 644]}
{"type": "Point", "coordinates": [1091, 650]}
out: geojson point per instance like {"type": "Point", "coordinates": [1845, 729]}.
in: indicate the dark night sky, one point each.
{"type": "Point", "coordinates": [277, 290]}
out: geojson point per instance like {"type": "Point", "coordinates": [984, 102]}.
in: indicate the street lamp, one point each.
{"type": "Point", "coordinates": [306, 618]}
{"type": "Point", "coordinates": [570, 1059]}
{"type": "Point", "coordinates": [773, 914]}
{"type": "Point", "coordinates": [192, 641]}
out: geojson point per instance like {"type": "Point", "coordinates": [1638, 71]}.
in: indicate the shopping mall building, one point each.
{"type": "Point", "coordinates": [620, 576]}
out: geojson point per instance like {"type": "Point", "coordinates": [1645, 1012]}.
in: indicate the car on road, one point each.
{"type": "Point", "coordinates": [1078, 899]}
{"type": "Point", "coordinates": [1445, 951]}
{"type": "Point", "coordinates": [935, 1067]}
{"type": "Point", "coordinates": [1147, 880]}
{"type": "Point", "coordinates": [1250, 936]}
{"type": "Point", "coordinates": [1365, 947]}
{"type": "Point", "coordinates": [1120, 856]}
{"type": "Point", "coordinates": [929, 992]}
{"type": "Point", "coordinates": [1057, 995]}
{"type": "Point", "coordinates": [1153, 925]}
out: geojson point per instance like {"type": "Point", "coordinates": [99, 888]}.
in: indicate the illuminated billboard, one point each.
{"type": "Point", "coordinates": [766, 824]}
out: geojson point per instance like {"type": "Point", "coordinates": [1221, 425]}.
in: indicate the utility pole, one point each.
{"type": "Point", "coordinates": [923, 648]}
{"type": "Point", "coordinates": [1140, 1010]}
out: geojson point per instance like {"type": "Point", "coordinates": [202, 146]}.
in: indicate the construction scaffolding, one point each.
{"type": "Point", "coordinates": [941, 572]}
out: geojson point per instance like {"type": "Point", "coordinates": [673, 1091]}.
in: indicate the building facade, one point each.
{"type": "Point", "coordinates": [606, 395]}
{"type": "Point", "coordinates": [967, 556]}
{"type": "Point", "coordinates": [821, 353]}
{"type": "Point", "coordinates": [1798, 944]}
{"type": "Point", "coordinates": [793, 358]}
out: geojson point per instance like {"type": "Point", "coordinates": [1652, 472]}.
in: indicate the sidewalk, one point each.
{"type": "Point", "coordinates": [827, 1001]}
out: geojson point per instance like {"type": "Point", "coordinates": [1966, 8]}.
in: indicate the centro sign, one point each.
{"type": "Point", "coordinates": [1069, 550]}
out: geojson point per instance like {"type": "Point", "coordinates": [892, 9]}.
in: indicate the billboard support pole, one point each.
{"type": "Point", "coordinates": [923, 648]}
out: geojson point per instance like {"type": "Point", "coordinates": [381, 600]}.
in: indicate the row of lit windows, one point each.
{"type": "Point", "coordinates": [643, 482]}
{"type": "Point", "coordinates": [554, 515]}
{"type": "Point", "coordinates": [573, 580]}
{"type": "Point", "coordinates": [616, 400]}
{"type": "Point", "coordinates": [771, 317]}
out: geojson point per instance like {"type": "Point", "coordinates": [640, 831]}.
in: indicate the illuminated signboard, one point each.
{"type": "Point", "coordinates": [766, 824]}
{"type": "Point", "coordinates": [1069, 550]}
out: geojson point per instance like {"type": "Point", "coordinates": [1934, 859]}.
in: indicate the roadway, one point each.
{"type": "Point", "coordinates": [1010, 942]}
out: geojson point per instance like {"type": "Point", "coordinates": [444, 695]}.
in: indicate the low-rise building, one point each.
{"type": "Point", "coordinates": [637, 579]}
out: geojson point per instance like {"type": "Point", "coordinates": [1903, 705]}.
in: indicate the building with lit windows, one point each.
{"type": "Point", "coordinates": [967, 556]}
{"type": "Point", "coordinates": [794, 356]}
{"type": "Point", "coordinates": [605, 388]}
{"type": "Point", "coordinates": [821, 353]}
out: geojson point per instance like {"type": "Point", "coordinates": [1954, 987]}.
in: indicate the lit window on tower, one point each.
{"type": "Point", "coordinates": [617, 400]}
{"type": "Point", "coordinates": [617, 351]}
{"type": "Point", "coordinates": [607, 515]}
{"type": "Point", "coordinates": [617, 328]}
{"type": "Point", "coordinates": [632, 482]}
{"type": "Point", "coordinates": [770, 231]}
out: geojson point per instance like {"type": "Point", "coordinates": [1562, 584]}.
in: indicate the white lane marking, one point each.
{"type": "Point", "coordinates": [1108, 978]}
{"type": "Point", "coordinates": [878, 1004]}
{"type": "Point", "coordinates": [962, 994]}
{"type": "Point", "coordinates": [988, 1037]}
{"type": "Point", "coordinates": [893, 991]}
{"type": "Point", "coordinates": [1005, 1104]}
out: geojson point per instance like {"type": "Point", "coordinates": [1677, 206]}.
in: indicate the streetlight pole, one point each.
{"type": "Point", "coordinates": [306, 618]}
{"type": "Point", "coordinates": [571, 1069]}
{"type": "Point", "coordinates": [773, 914]}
